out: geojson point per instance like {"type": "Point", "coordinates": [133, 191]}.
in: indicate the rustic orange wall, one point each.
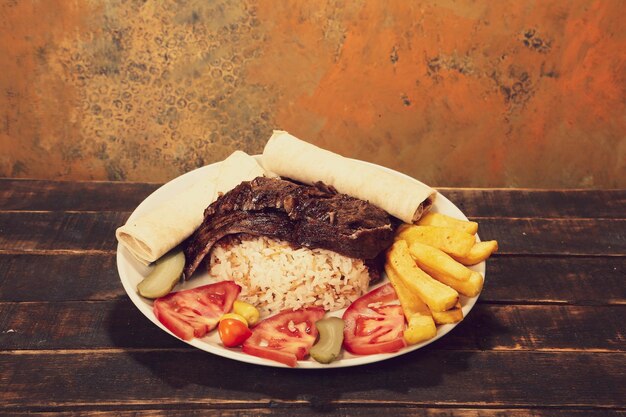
{"type": "Point", "coordinates": [455, 93]}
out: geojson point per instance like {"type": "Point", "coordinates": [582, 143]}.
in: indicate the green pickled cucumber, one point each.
{"type": "Point", "coordinates": [328, 347]}
{"type": "Point", "coordinates": [164, 276]}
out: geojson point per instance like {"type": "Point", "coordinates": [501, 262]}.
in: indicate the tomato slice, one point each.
{"type": "Point", "coordinates": [195, 312]}
{"type": "Point", "coordinates": [374, 323]}
{"type": "Point", "coordinates": [285, 337]}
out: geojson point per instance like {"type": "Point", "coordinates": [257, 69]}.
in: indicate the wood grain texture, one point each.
{"type": "Point", "coordinates": [120, 325]}
{"type": "Point", "coordinates": [549, 279]}
{"type": "Point", "coordinates": [44, 195]}
{"type": "Point", "coordinates": [538, 203]}
{"type": "Point", "coordinates": [427, 376]}
{"type": "Point", "coordinates": [56, 230]}
{"type": "Point", "coordinates": [54, 277]}
{"type": "Point", "coordinates": [510, 279]}
{"type": "Point", "coordinates": [38, 195]}
{"type": "Point", "coordinates": [556, 236]}
{"type": "Point", "coordinates": [83, 231]}
{"type": "Point", "coordinates": [286, 409]}
{"type": "Point", "coordinates": [545, 339]}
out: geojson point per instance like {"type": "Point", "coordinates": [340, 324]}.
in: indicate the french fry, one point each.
{"type": "Point", "coordinates": [437, 296]}
{"type": "Point", "coordinates": [469, 288]}
{"type": "Point", "coordinates": [453, 315]}
{"type": "Point", "coordinates": [452, 241]}
{"type": "Point", "coordinates": [441, 220]}
{"type": "Point", "coordinates": [410, 302]}
{"type": "Point", "coordinates": [479, 252]}
{"type": "Point", "coordinates": [421, 325]}
{"type": "Point", "coordinates": [420, 329]}
{"type": "Point", "coordinates": [435, 259]}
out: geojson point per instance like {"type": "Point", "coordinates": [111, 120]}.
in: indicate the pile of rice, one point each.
{"type": "Point", "coordinates": [274, 276]}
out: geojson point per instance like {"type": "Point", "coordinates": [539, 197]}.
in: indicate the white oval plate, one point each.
{"type": "Point", "coordinates": [132, 272]}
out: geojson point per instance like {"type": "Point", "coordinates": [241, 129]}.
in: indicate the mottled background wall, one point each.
{"type": "Point", "coordinates": [456, 93]}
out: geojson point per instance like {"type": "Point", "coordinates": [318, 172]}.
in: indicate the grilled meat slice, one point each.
{"type": "Point", "coordinates": [310, 216]}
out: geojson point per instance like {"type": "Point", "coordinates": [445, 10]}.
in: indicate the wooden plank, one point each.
{"type": "Point", "coordinates": [538, 203]}
{"type": "Point", "coordinates": [42, 195]}
{"type": "Point", "coordinates": [375, 410]}
{"type": "Point", "coordinates": [118, 324]}
{"type": "Point", "coordinates": [80, 325]}
{"type": "Point", "coordinates": [568, 280]}
{"type": "Point", "coordinates": [27, 231]}
{"type": "Point", "coordinates": [426, 377]}
{"type": "Point", "coordinates": [510, 279]}
{"type": "Point", "coordinates": [556, 236]}
{"type": "Point", "coordinates": [48, 277]}
{"type": "Point", "coordinates": [540, 327]}
{"type": "Point", "coordinates": [55, 230]}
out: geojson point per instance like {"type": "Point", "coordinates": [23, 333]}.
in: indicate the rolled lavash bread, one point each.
{"type": "Point", "coordinates": [399, 196]}
{"type": "Point", "coordinates": [153, 234]}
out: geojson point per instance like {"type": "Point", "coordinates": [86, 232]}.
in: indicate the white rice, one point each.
{"type": "Point", "coordinates": [275, 277]}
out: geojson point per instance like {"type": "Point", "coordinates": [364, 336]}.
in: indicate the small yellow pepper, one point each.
{"type": "Point", "coordinates": [235, 316]}
{"type": "Point", "coordinates": [248, 311]}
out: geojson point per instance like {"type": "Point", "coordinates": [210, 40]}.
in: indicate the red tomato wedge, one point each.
{"type": "Point", "coordinates": [285, 337]}
{"type": "Point", "coordinates": [233, 332]}
{"type": "Point", "coordinates": [195, 312]}
{"type": "Point", "coordinates": [374, 323]}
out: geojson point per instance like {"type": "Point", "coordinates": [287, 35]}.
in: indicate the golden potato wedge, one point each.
{"type": "Point", "coordinates": [433, 258]}
{"type": "Point", "coordinates": [421, 320]}
{"type": "Point", "coordinates": [441, 220]}
{"type": "Point", "coordinates": [437, 296]}
{"type": "Point", "coordinates": [410, 302]}
{"type": "Point", "coordinates": [479, 252]}
{"type": "Point", "coordinates": [421, 325]}
{"type": "Point", "coordinates": [469, 288]}
{"type": "Point", "coordinates": [451, 241]}
{"type": "Point", "coordinates": [419, 329]}
{"type": "Point", "coordinates": [453, 315]}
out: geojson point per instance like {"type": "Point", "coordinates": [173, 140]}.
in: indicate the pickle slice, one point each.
{"type": "Point", "coordinates": [164, 276]}
{"type": "Point", "coordinates": [328, 347]}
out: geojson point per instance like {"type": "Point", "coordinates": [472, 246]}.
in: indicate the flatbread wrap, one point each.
{"type": "Point", "coordinates": [153, 234]}
{"type": "Point", "coordinates": [293, 158]}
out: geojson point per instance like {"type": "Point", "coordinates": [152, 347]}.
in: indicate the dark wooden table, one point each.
{"type": "Point", "coordinates": [546, 337]}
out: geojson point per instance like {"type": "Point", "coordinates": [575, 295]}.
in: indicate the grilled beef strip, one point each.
{"type": "Point", "coordinates": [310, 216]}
